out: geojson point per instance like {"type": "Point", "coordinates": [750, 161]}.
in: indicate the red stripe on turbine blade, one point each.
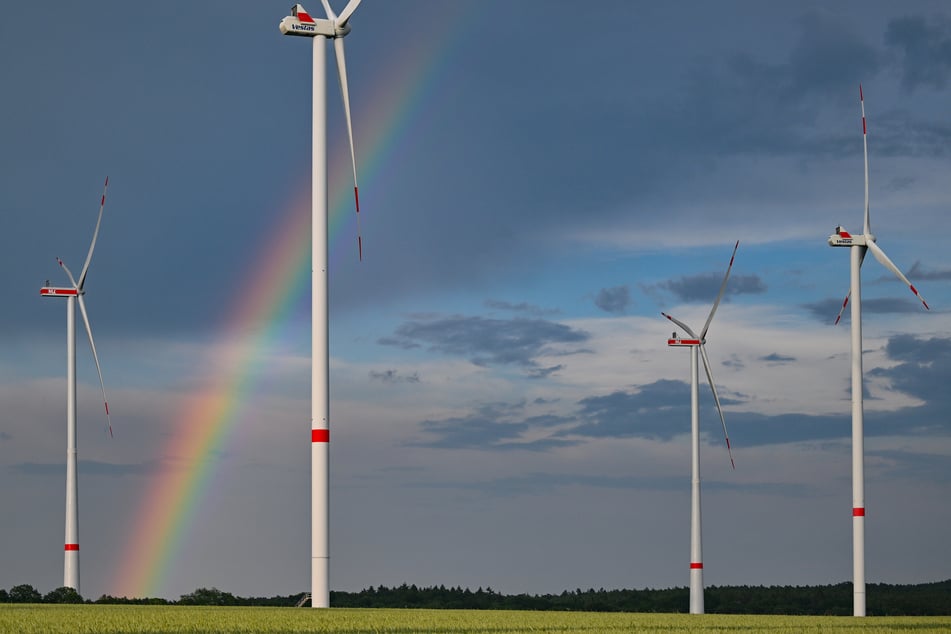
{"type": "Point", "coordinates": [864, 130]}
{"type": "Point", "coordinates": [696, 565]}
{"type": "Point", "coordinates": [360, 247]}
{"type": "Point", "coordinates": [858, 512]}
{"type": "Point", "coordinates": [861, 96]}
{"type": "Point", "coordinates": [356, 198]}
{"type": "Point", "coordinates": [71, 547]}
{"type": "Point", "coordinates": [320, 435]}
{"type": "Point", "coordinates": [107, 407]}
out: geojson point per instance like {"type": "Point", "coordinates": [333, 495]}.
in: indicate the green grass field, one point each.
{"type": "Point", "coordinates": [88, 619]}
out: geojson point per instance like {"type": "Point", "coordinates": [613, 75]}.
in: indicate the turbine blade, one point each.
{"type": "Point", "coordinates": [95, 235]}
{"type": "Point", "coordinates": [330, 12]}
{"type": "Point", "coordinates": [95, 356]}
{"type": "Point", "coordinates": [881, 257]}
{"type": "Point", "coordinates": [867, 225]}
{"type": "Point", "coordinates": [682, 325]}
{"type": "Point", "coordinates": [345, 92]}
{"type": "Point", "coordinates": [842, 310]}
{"type": "Point", "coordinates": [706, 326]}
{"type": "Point", "coordinates": [348, 10]}
{"type": "Point", "coordinates": [716, 398]}
{"type": "Point", "coordinates": [849, 294]}
{"type": "Point", "coordinates": [69, 273]}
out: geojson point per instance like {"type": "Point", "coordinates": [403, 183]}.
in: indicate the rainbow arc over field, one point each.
{"type": "Point", "coordinates": [171, 504]}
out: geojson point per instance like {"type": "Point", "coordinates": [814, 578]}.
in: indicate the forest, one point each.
{"type": "Point", "coordinates": [926, 599]}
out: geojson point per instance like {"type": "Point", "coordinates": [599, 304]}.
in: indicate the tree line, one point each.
{"type": "Point", "coordinates": [926, 599]}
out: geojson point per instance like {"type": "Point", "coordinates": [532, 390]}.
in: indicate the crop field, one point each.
{"type": "Point", "coordinates": [89, 619]}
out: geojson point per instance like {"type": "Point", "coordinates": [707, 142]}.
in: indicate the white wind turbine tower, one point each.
{"type": "Point", "coordinates": [859, 244]}
{"type": "Point", "coordinates": [697, 344]}
{"type": "Point", "coordinates": [72, 294]}
{"type": "Point", "coordinates": [335, 27]}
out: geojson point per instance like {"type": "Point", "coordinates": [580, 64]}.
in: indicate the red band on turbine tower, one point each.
{"type": "Point", "coordinates": [320, 435]}
{"type": "Point", "coordinates": [72, 547]}
{"type": "Point", "coordinates": [858, 511]}
{"type": "Point", "coordinates": [696, 565]}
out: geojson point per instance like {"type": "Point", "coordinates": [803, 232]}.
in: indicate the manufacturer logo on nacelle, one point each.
{"type": "Point", "coordinates": [303, 27]}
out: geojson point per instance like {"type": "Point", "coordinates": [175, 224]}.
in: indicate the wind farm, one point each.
{"type": "Point", "coordinates": [504, 410]}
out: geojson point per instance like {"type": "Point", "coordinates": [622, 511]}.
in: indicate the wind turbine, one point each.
{"type": "Point", "coordinates": [334, 27]}
{"type": "Point", "coordinates": [72, 294]}
{"type": "Point", "coordinates": [697, 344]}
{"type": "Point", "coordinates": [859, 245]}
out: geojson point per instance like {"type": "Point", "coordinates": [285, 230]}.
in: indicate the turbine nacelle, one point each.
{"type": "Point", "coordinates": [677, 341]}
{"type": "Point", "coordinates": [56, 291]}
{"type": "Point", "coordinates": [300, 23]}
{"type": "Point", "coordinates": [842, 238]}
{"type": "Point", "coordinates": [292, 25]}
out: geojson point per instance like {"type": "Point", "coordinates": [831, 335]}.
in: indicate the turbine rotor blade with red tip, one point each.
{"type": "Point", "coordinates": [716, 399]}
{"type": "Point", "coordinates": [706, 326]}
{"type": "Point", "coordinates": [345, 92]}
{"type": "Point", "coordinates": [888, 264]}
{"type": "Point", "coordinates": [95, 356]}
{"type": "Point", "coordinates": [95, 235]}
{"type": "Point", "coordinates": [682, 325]}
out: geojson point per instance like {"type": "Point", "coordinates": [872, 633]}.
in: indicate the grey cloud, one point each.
{"type": "Point", "coordinates": [613, 300]}
{"type": "Point", "coordinates": [914, 465]}
{"type": "Point", "coordinates": [394, 376]}
{"type": "Point", "coordinates": [521, 307]}
{"type": "Point", "coordinates": [924, 48]}
{"type": "Point", "coordinates": [488, 341]}
{"type": "Point", "coordinates": [734, 362]}
{"type": "Point", "coordinates": [826, 309]}
{"type": "Point", "coordinates": [491, 426]}
{"type": "Point", "coordinates": [544, 373]}
{"type": "Point", "coordinates": [656, 411]}
{"type": "Point", "coordinates": [705, 286]}
{"type": "Point", "coordinates": [916, 272]}
{"type": "Point", "coordinates": [547, 482]}
{"type": "Point", "coordinates": [775, 357]}
{"type": "Point", "coordinates": [86, 467]}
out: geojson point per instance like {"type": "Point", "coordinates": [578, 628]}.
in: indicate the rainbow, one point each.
{"type": "Point", "coordinates": [171, 504]}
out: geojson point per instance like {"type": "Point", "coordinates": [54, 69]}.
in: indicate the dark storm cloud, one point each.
{"type": "Point", "coordinates": [705, 286]}
{"type": "Point", "coordinates": [486, 341]}
{"type": "Point", "coordinates": [394, 376]}
{"type": "Point", "coordinates": [613, 300]}
{"type": "Point", "coordinates": [898, 133]}
{"type": "Point", "coordinates": [923, 46]}
{"type": "Point", "coordinates": [491, 426]}
{"type": "Point", "coordinates": [86, 467]}
{"type": "Point", "coordinates": [777, 113]}
{"type": "Point", "coordinates": [521, 307]}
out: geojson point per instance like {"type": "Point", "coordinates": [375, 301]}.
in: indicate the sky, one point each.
{"type": "Point", "coordinates": [536, 185]}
